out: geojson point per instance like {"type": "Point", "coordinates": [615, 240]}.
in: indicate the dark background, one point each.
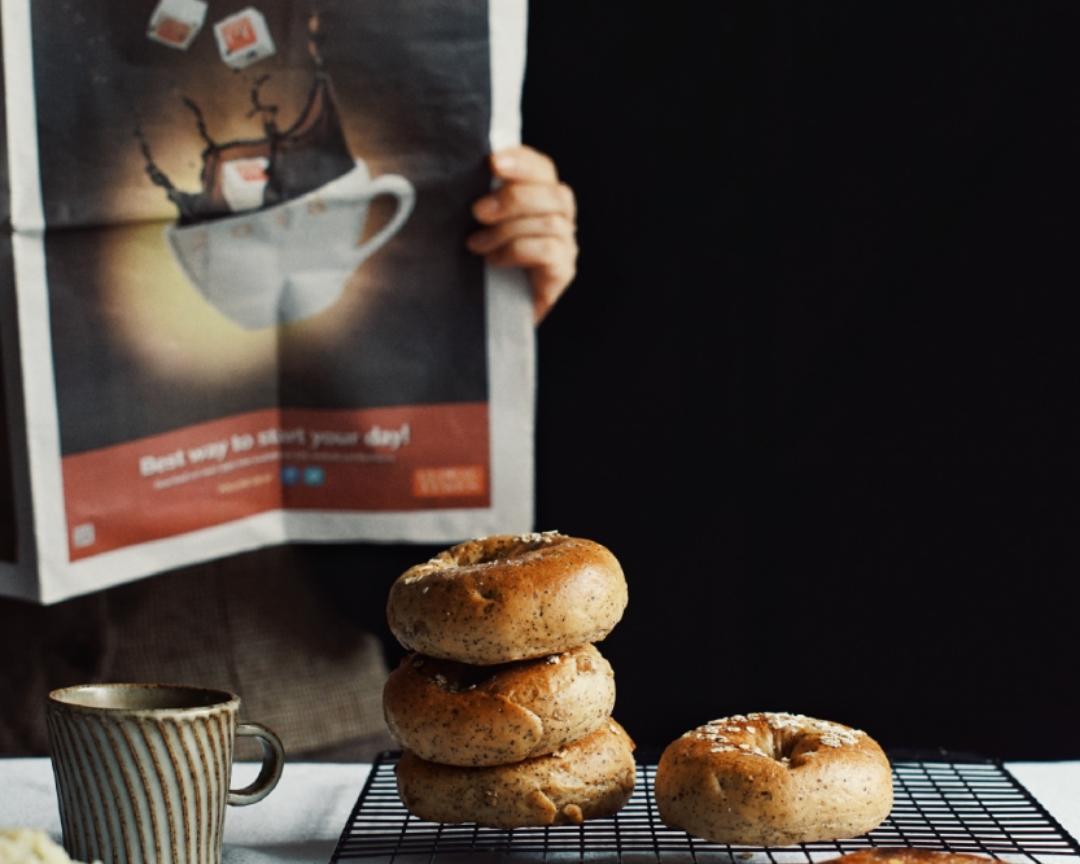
{"type": "Point", "coordinates": [816, 382]}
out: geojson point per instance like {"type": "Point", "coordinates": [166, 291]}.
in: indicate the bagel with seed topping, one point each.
{"type": "Point", "coordinates": [588, 779]}
{"type": "Point", "coordinates": [457, 714]}
{"type": "Point", "coordinates": [506, 598]}
{"type": "Point", "coordinates": [773, 779]}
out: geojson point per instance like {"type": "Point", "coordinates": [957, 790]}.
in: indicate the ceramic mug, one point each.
{"type": "Point", "coordinates": [290, 261]}
{"type": "Point", "coordinates": [142, 770]}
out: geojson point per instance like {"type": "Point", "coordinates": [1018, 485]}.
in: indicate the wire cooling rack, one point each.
{"type": "Point", "coordinates": [961, 806]}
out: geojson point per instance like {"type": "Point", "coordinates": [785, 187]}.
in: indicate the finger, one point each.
{"type": "Point", "coordinates": [547, 289]}
{"type": "Point", "coordinates": [515, 200]}
{"type": "Point", "coordinates": [557, 254]}
{"type": "Point", "coordinates": [524, 163]}
{"type": "Point", "coordinates": [550, 225]}
{"type": "Point", "coordinates": [551, 263]}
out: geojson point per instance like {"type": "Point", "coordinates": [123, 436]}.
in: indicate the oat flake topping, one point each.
{"type": "Point", "coordinates": [830, 734]}
{"type": "Point", "coordinates": [538, 537]}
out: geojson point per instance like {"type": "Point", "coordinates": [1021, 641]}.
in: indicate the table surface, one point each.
{"type": "Point", "coordinates": [303, 817]}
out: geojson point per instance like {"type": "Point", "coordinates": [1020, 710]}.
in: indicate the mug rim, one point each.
{"type": "Point", "coordinates": [215, 699]}
{"type": "Point", "coordinates": [228, 221]}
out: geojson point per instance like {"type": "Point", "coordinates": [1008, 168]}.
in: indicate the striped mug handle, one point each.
{"type": "Point", "coordinates": [269, 773]}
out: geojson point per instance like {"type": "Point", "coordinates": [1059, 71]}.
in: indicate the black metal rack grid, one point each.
{"type": "Point", "coordinates": [976, 807]}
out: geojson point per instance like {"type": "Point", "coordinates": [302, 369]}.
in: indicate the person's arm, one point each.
{"type": "Point", "coordinates": [529, 222]}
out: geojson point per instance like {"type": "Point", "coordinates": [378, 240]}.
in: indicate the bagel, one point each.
{"type": "Point", "coordinates": [591, 778]}
{"type": "Point", "coordinates": [508, 598]}
{"type": "Point", "coordinates": [490, 715]}
{"type": "Point", "coordinates": [908, 855]}
{"type": "Point", "coordinates": [773, 780]}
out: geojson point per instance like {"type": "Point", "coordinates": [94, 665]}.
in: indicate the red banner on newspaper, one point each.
{"type": "Point", "coordinates": [379, 459]}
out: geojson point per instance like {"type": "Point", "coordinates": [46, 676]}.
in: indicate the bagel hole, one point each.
{"type": "Point", "coordinates": [784, 744]}
{"type": "Point", "coordinates": [456, 677]}
{"type": "Point", "coordinates": [490, 553]}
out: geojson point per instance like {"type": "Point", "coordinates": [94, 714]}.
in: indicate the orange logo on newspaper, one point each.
{"type": "Point", "coordinates": [238, 34]}
{"type": "Point", "coordinates": [172, 30]}
{"type": "Point", "coordinates": [449, 482]}
{"type": "Point", "coordinates": [251, 170]}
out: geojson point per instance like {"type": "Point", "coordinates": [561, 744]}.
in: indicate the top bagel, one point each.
{"type": "Point", "coordinates": [508, 598]}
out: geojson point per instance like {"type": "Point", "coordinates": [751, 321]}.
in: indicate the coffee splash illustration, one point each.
{"type": "Point", "coordinates": [301, 158]}
{"type": "Point", "coordinates": [279, 225]}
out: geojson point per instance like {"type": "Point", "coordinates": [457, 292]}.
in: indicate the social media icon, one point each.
{"type": "Point", "coordinates": [314, 476]}
{"type": "Point", "coordinates": [290, 475]}
{"type": "Point", "coordinates": [84, 535]}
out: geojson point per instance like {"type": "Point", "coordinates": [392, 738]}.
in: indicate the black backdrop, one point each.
{"type": "Point", "coordinates": [816, 382]}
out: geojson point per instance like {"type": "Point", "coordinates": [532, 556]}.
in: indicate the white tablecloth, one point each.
{"type": "Point", "coordinates": [303, 817]}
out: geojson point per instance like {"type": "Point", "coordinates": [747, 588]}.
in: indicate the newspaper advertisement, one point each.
{"type": "Point", "coordinates": [238, 307]}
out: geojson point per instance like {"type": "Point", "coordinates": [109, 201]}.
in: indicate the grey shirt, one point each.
{"type": "Point", "coordinates": [251, 624]}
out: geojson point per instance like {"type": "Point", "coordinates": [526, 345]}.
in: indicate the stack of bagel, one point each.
{"type": "Point", "coordinates": [503, 709]}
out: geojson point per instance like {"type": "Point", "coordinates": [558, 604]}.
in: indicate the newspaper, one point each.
{"type": "Point", "coordinates": [237, 305]}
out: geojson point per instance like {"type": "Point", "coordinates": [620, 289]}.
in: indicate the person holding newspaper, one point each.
{"type": "Point", "coordinates": [275, 632]}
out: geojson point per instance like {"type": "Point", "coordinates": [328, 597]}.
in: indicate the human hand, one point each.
{"type": "Point", "coordinates": [530, 222]}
